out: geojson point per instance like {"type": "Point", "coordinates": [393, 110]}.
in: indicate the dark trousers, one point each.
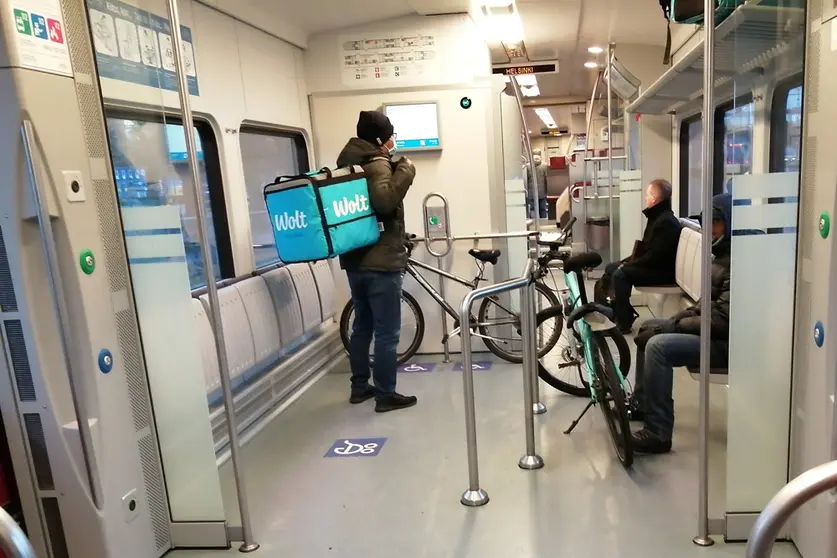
{"type": "Point", "coordinates": [656, 358]}
{"type": "Point", "coordinates": [623, 285]}
{"type": "Point", "coordinates": [377, 313]}
{"type": "Point", "coordinates": [543, 208]}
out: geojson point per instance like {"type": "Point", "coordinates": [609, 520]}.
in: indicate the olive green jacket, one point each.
{"type": "Point", "coordinates": [388, 185]}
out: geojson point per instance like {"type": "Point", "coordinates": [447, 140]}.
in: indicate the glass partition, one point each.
{"type": "Point", "coordinates": [154, 183]}
{"type": "Point", "coordinates": [756, 161]}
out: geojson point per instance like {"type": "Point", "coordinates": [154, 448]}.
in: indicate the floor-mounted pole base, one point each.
{"type": "Point", "coordinates": [538, 408]}
{"type": "Point", "coordinates": [700, 541]}
{"type": "Point", "coordinates": [474, 498]}
{"type": "Point", "coordinates": [252, 547]}
{"type": "Point", "coordinates": [530, 462]}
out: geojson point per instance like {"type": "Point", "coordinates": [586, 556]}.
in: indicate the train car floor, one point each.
{"type": "Point", "coordinates": [399, 495]}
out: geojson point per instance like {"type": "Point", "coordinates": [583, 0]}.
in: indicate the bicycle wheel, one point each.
{"type": "Point", "coordinates": [563, 368]}
{"type": "Point", "coordinates": [500, 326]}
{"type": "Point", "coordinates": [611, 400]}
{"type": "Point", "coordinates": [412, 327]}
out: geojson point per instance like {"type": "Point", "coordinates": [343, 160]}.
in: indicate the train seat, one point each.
{"type": "Point", "coordinates": [665, 301]}
{"type": "Point", "coordinates": [278, 331]}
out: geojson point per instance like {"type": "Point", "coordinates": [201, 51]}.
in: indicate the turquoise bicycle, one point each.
{"type": "Point", "coordinates": [600, 375]}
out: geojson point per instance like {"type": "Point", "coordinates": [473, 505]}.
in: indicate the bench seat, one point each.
{"type": "Point", "coordinates": [719, 376]}
{"type": "Point", "coordinates": [665, 301]}
{"type": "Point", "coordinates": [279, 334]}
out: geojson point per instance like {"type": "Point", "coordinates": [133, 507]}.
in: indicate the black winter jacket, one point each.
{"type": "Point", "coordinates": [688, 321]}
{"type": "Point", "coordinates": [659, 246]}
{"type": "Point", "coordinates": [388, 185]}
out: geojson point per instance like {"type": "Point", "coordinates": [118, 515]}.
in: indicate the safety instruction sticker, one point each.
{"type": "Point", "coordinates": [388, 59]}
{"type": "Point", "coordinates": [136, 46]}
{"type": "Point", "coordinates": [39, 36]}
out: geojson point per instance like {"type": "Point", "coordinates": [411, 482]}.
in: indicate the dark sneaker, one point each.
{"type": "Point", "coordinates": [645, 441]}
{"type": "Point", "coordinates": [626, 329]}
{"type": "Point", "coordinates": [361, 396]}
{"type": "Point", "coordinates": [393, 402]}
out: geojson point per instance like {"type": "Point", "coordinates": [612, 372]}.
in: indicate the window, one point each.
{"type": "Point", "coordinates": [266, 155]}
{"type": "Point", "coordinates": [786, 126]}
{"type": "Point", "coordinates": [691, 163]}
{"type": "Point", "coordinates": [152, 169]}
{"type": "Point", "coordinates": [734, 123]}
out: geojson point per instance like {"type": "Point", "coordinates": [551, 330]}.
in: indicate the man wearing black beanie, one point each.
{"type": "Point", "coordinates": [375, 272]}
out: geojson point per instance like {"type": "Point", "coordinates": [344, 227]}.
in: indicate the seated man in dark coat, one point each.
{"type": "Point", "coordinates": [652, 263]}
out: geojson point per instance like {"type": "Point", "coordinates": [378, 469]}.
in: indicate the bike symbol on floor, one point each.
{"type": "Point", "coordinates": [417, 367]}
{"type": "Point", "coordinates": [481, 365]}
{"type": "Point", "coordinates": [356, 447]}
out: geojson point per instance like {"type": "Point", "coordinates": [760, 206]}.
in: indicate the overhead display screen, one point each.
{"type": "Point", "coordinates": [416, 126]}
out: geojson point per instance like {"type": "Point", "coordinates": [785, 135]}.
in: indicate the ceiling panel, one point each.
{"type": "Point", "coordinates": [315, 16]}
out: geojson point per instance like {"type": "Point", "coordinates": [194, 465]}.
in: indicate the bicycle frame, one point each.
{"type": "Point", "coordinates": [585, 333]}
{"type": "Point", "coordinates": [413, 264]}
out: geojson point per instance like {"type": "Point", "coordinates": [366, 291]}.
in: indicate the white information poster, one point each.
{"type": "Point", "coordinates": [390, 61]}
{"type": "Point", "coordinates": [39, 36]}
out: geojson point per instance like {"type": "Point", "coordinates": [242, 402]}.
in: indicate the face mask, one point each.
{"type": "Point", "coordinates": [393, 149]}
{"type": "Point", "coordinates": [537, 160]}
{"type": "Point", "coordinates": [717, 240]}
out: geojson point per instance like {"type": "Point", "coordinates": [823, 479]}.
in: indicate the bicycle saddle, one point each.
{"type": "Point", "coordinates": [487, 256]}
{"type": "Point", "coordinates": [587, 260]}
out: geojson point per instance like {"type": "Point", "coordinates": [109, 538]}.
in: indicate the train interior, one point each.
{"type": "Point", "coordinates": [169, 386]}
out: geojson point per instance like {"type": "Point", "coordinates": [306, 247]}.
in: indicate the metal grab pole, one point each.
{"type": "Point", "coordinates": [790, 498]}
{"type": "Point", "coordinates": [612, 246]}
{"type": "Point", "coordinates": [703, 538]}
{"type": "Point", "coordinates": [476, 496]}
{"type": "Point", "coordinates": [13, 541]}
{"type": "Point", "coordinates": [537, 405]}
{"type": "Point", "coordinates": [249, 545]}
{"type": "Point", "coordinates": [530, 460]}
{"type": "Point", "coordinates": [56, 283]}
{"type": "Point", "coordinates": [446, 342]}
{"type": "Point", "coordinates": [527, 144]}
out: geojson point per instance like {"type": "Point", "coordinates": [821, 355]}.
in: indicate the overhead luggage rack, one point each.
{"type": "Point", "coordinates": [747, 43]}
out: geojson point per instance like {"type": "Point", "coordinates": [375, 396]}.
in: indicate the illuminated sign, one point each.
{"type": "Point", "coordinates": [548, 68]}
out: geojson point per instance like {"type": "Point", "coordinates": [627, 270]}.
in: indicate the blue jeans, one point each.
{"type": "Point", "coordinates": [655, 378]}
{"type": "Point", "coordinates": [377, 301]}
{"type": "Point", "coordinates": [543, 208]}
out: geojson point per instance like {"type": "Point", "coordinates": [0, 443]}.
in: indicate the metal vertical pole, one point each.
{"type": "Point", "coordinates": [612, 247]}
{"type": "Point", "coordinates": [537, 406]}
{"type": "Point", "coordinates": [474, 496]}
{"type": "Point", "coordinates": [249, 545]}
{"type": "Point", "coordinates": [527, 144]}
{"type": "Point", "coordinates": [707, 178]}
{"type": "Point", "coordinates": [446, 342]}
{"type": "Point", "coordinates": [530, 460]}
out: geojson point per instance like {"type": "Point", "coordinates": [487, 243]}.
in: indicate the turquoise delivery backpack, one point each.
{"type": "Point", "coordinates": [321, 214]}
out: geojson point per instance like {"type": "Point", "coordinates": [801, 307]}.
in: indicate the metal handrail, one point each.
{"type": "Point", "coordinates": [476, 496]}
{"type": "Point", "coordinates": [789, 499]}
{"type": "Point", "coordinates": [13, 540]}
{"type": "Point", "coordinates": [485, 236]}
{"type": "Point", "coordinates": [428, 241]}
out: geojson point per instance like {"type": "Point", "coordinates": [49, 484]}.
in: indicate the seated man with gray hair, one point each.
{"type": "Point", "coordinates": [653, 260]}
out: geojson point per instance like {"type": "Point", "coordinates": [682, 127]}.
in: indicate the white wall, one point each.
{"type": "Point", "coordinates": [244, 75]}
{"type": "Point", "coordinates": [469, 169]}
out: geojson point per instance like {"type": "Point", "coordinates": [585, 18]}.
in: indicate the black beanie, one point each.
{"type": "Point", "coordinates": [374, 127]}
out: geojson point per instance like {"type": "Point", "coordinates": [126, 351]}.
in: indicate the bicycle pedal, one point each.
{"type": "Point", "coordinates": [568, 364]}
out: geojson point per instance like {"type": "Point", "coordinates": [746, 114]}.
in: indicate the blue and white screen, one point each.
{"type": "Point", "coordinates": [417, 126]}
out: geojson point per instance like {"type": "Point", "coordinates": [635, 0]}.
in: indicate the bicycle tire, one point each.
{"type": "Point", "coordinates": [584, 389]}
{"type": "Point", "coordinates": [412, 349]}
{"type": "Point", "coordinates": [513, 357]}
{"type": "Point", "coordinates": [612, 401]}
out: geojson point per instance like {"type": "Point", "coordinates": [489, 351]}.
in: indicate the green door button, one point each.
{"type": "Point", "coordinates": [825, 224]}
{"type": "Point", "coordinates": [87, 261]}
{"type": "Point", "coordinates": [434, 221]}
